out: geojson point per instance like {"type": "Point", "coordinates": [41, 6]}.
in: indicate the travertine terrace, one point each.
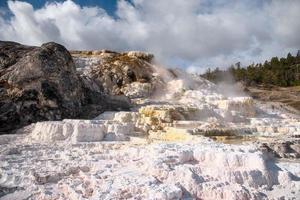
{"type": "Point", "coordinates": [182, 139]}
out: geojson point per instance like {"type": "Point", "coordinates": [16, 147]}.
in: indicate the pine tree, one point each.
{"type": "Point", "coordinates": [281, 72]}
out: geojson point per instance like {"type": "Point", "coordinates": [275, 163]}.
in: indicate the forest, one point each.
{"type": "Point", "coordinates": [283, 72]}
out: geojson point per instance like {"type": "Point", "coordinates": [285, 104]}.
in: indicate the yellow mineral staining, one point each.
{"type": "Point", "coordinates": [158, 117]}
{"type": "Point", "coordinates": [165, 114]}
{"type": "Point", "coordinates": [161, 120]}
{"type": "Point", "coordinates": [171, 134]}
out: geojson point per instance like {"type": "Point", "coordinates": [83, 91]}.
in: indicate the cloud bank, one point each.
{"type": "Point", "coordinates": [194, 34]}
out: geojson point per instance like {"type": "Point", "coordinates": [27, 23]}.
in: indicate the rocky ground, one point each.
{"type": "Point", "coordinates": [183, 138]}
{"type": "Point", "coordinates": [286, 97]}
{"type": "Point", "coordinates": [140, 170]}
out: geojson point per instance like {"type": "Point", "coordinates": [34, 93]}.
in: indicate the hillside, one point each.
{"type": "Point", "coordinates": [287, 97]}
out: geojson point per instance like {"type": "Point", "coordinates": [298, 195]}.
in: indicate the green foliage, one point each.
{"type": "Point", "coordinates": [282, 72]}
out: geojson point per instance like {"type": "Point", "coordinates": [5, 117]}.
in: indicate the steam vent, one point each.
{"type": "Point", "coordinates": [129, 128]}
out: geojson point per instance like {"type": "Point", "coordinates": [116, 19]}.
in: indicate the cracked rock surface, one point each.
{"type": "Point", "coordinates": [129, 170]}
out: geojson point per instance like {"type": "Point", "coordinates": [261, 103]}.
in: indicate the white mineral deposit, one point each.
{"type": "Point", "coordinates": [166, 147]}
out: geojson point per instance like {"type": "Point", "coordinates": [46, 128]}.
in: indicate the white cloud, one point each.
{"type": "Point", "coordinates": [198, 32]}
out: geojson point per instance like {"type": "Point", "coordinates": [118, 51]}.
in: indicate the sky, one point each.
{"type": "Point", "coordinates": [191, 34]}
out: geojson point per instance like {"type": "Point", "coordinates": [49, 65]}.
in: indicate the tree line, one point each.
{"type": "Point", "coordinates": [282, 72]}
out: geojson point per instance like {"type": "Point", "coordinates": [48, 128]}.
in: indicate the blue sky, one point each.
{"type": "Point", "coordinates": [108, 5]}
{"type": "Point", "coordinates": [193, 34]}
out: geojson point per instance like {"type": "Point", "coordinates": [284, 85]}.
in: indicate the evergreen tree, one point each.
{"type": "Point", "coordinates": [281, 72]}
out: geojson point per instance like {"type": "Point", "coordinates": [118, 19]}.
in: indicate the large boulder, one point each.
{"type": "Point", "coordinates": [41, 83]}
{"type": "Point", "coordinates": [37, 83]}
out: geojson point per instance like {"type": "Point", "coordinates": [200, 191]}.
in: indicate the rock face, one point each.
{"type": "Point", "coordinates": [37, 83]}
{"type": "Point", "coordinates": [41, 83]}
{"type": "Point", "coordinates": [128, 73]}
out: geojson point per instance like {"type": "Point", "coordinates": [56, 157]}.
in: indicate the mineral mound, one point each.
{"type": "Point", "coordinates": [182, 137]}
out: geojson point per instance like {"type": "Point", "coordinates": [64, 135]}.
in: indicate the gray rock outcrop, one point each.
{"type": "Point", "coordinates": [41, 83]}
